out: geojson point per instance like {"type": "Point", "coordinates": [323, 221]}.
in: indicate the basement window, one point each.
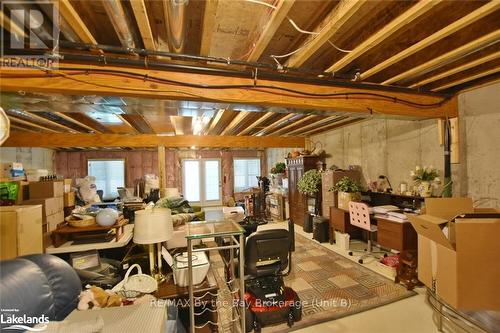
{"type": "Point", "coordinates": [246, 172]}
{"type": "Point", "coordinates": [109, 175]}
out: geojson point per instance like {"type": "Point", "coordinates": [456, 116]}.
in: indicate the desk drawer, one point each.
{"type": "Point", "coordinates": [390, 226]}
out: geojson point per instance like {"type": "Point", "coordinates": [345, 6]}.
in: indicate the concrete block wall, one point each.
{"type": "Point", "coordinates": [384, 147]}
{"type": "Point", "coordinates": [394, 147]}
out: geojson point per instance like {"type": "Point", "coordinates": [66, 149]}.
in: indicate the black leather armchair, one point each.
{"type": "Point", "coordinates": [38, 285]}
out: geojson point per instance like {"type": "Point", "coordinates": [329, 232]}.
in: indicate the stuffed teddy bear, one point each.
{"type": "Point", "coordinates": [96, 298]}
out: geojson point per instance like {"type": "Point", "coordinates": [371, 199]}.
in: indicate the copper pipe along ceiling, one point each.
{"type": "Point", "coordinates": [175, 14]}
{"type": "Point", "coordinates": [118, 17]}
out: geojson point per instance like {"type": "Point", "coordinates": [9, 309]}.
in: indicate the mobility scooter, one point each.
{"type": "Point", "coordinates": [268, 258]}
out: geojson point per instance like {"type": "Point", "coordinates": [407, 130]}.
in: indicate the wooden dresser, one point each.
{"type": "Point", "coordinates": [296, 167]}
{"type": "Point", "coordinates": [328, 179]}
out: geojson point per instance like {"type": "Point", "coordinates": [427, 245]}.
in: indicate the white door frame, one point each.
{"type": "Point", "coordinates": [203, 202]}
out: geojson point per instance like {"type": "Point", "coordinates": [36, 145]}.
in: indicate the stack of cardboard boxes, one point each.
{"type": "Point", "coordinates": [49, 194]}
{"type": "Point", "coordinates": [458, 251]}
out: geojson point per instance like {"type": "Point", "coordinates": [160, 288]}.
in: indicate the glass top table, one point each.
{"type": "Point", "coordinates": [202, 229]}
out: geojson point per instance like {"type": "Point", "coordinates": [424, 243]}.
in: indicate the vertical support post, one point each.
{"type": "Point", "coordinates": [447, 190]}
{"type": "Point", "coordinates": [190, 286]}
{"type": "Point", "coordinates": [162, 169]}
{"type": "Point", "coordinates": [242, 282]}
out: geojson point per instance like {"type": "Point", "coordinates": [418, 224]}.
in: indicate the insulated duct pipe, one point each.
{"type": "Point", "coordinates": [175, 15]}
{"type": "Point", "coordinates": [122, 26]}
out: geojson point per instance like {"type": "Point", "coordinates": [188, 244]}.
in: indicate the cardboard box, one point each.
{"type": "Point", "coordinates": [69, 199]}
{"type": "Point", "coordinates": [462, 266]}
{"type": "Point", "coordinates": [68, 182]}
{"type": "Point", "coordinates": [20, 231]}
{"type": "Point", "coordinates": [53, 220]}
{"type": "Point", "coordinates": [49, 205]}
{"type": "Point", "coordinates": [23, 192]}
{"type": "Point", "coordinates": [46, 189]}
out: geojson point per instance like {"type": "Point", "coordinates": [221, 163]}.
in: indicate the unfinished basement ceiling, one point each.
{"type": "Point", "coordinates": [430, 46]}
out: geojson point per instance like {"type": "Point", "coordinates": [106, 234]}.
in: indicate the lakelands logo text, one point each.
{"type": "Point", "coordinates": [23, 322]}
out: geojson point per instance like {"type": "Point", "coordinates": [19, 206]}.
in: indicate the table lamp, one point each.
{"type": "Point", "coordinates": [152, 227]}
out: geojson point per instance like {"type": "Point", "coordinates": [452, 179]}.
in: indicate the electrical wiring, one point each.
{"type": "Point", "coordinates": [74, 71]}
{"type": "Point", "coordinates": [296, 27]}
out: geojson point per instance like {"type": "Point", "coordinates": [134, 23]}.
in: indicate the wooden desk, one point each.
{"type": "Point", "coordinates": [339, 221]}
{"type": "Point", "coordinates": [208, 288]}
{"type": "Point", "coordinates": [398, 236]}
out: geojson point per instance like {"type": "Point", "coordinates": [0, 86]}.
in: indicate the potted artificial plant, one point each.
{"type": "Point", "coordinates": [278, 173]}
{"type": "Point", "coordinates": [347, 190]}
{"type": "Point", "coordinates": [309, 185]}
{"type": "Point", "coordinates": [425, 178]}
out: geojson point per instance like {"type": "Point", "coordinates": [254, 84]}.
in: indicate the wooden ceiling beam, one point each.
{"type": "Point", "coordinates": [74, 20]}
{"type": "Point", "coordinates": [141, 17]}
{"type": "Point", "coordinates": [76, 122]}
{"type": "Point", "coordinates": [50, 122]}
{"type": "Point", "coordinates": [51, 140]}
{"type": "Point", "coordinates": [434, 38]}
{"type": "Point", "coordinates": [458, 69]}
{"type": "Point", "coordinates": [336, 20]}
{"type": "Point", "coordinates": [236, 120]}
{"type": "Point", "coordinates": [84, 120]}
{"type": "Point", "coordinates": [293, 124]}
{"type": "Point", "coordinates": [11, 26]}
{"type": "Point", "coordinates": [277, 17]}
{"type": "Point", "coordinates": [316, 123]}
{"type": "Point", "coordinates": [23, 128]}
{"type": "Point", "coordinates": [215, 121]}
{"type": "Point", "coordinates": [256, 123]}
{"type": "Point", "coordinates": [336, 125]}
{"type": "Point", "coordinates": [416, 11]}
{"type": "Point", "coordinates": [138, 122]}
{"type": "Point", "coordinates": [275, 124]}
{"type": "Point", "coordinates": [27, 123]}
{"type": "Point", "coordinates": [208, 26]}
{"type": "Point", "coordinates": [110, 84]}
{"type": "Point", "coordinates": [468, 79]}
{"type": "Point", "coordinates": [444, 59]}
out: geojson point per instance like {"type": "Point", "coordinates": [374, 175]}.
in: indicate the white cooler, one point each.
{"type": "Point", "coordinates": [180, 268]}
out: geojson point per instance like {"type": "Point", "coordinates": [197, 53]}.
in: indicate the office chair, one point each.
{"type": "Point", "coordinates": [359, 215]}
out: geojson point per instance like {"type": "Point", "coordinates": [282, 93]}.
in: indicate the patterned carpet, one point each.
{"type": "Point", "coordinates": [329, 285]}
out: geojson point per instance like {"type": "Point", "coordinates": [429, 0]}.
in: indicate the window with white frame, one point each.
{"type": "Point", "coordinates": [246, 171]}
{"type": "Point", "coordinates": [109, 175]}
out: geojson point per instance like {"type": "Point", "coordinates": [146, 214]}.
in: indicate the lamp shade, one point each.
{"type": "Point", "coordinates": [153, 226]}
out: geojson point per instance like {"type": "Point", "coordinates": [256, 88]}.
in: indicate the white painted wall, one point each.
{"type": "Point", "coordinates": [31, 158]}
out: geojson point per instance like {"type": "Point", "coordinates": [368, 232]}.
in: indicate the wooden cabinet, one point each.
{"type": "Point", "coordinates": [20, 231]}
{"type": "Point", "coordinates": [328, 179]}
{"type": "Point", "coordinates": [298, 202]}
{"type": "Point", "coordinates": [396, 235]}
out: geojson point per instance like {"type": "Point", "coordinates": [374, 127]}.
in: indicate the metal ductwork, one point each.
{"type": "Point", "coordinates": [119, 19]}
{"type": "Point", "coordinates": [175, 15]}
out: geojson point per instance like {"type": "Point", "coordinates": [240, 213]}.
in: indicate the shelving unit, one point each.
{"type": "Point", "coordinates": [233, 233]}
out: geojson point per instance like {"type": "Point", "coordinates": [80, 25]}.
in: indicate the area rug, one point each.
{"type": "Point", "coordinates": [329, 286]}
